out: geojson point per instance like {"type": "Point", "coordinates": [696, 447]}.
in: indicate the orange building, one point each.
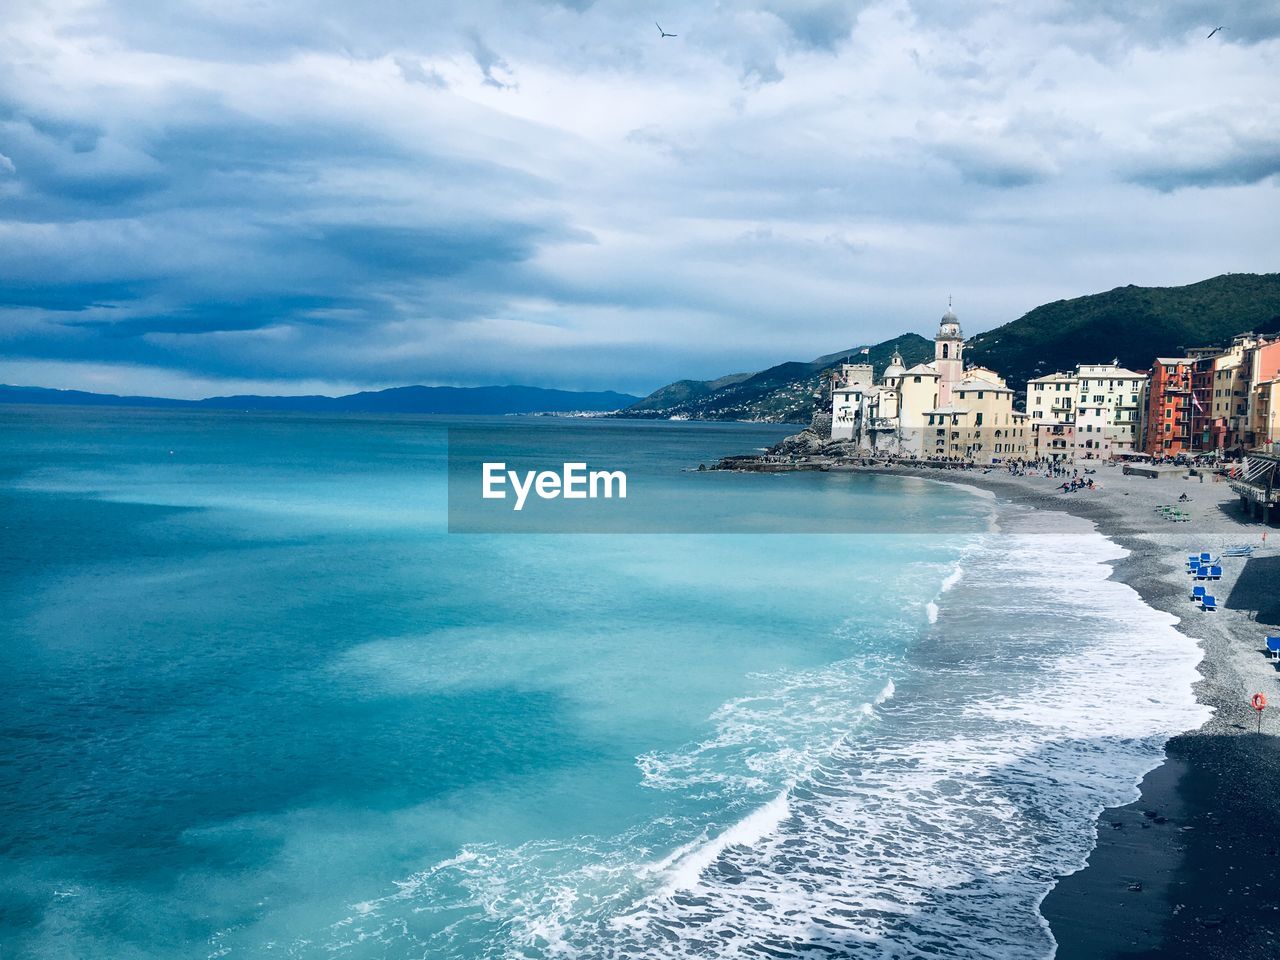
{"type": "Point", "coordinates": [1264, 413]}
{"type": "Point", "coordinates": [1169, 407]}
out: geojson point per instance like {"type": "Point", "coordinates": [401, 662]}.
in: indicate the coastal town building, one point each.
{"type": "Point", "coordinates": [1093, 413]}
{"type": "Point", "coordinates": [1263, 413]}
{"type": "Point", "coordinates": [1119, 393]}
{"type": "Point", "coordinates": [1167, 426]}
{"type": "Point", "coordinates": [1203, 432]}
{"type": "Point", "coordinates": [1052, 398]}
{"type": "Point", "coordinates": [1220, 392]}
{"type": "Point", "coordinates": [937, 409]}
{"type": "Point", "coordinates": [1220, 402]}
{"type": "Point", "coordinates": [849, 390]}
{"type": "Point", "coordinates": [1267, 411]}
{"type": "Point", "coordinates": [1214, 398]}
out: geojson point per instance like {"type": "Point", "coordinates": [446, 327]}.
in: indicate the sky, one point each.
{"type": "Point", "coordinates": [300, 197]}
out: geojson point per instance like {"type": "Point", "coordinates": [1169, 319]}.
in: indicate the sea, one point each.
{"type": "Point", "coordinates": [261, 695]}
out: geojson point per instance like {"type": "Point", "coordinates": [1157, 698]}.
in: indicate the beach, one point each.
{"type": "Point", "coordinates": [1190, 868]}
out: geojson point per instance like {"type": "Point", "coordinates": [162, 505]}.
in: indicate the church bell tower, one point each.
{"type": "Point", "coordinates": [948, 355]}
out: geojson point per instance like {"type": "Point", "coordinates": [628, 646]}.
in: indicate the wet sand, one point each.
{"type": "Point", "coordinates": [1192, 868]}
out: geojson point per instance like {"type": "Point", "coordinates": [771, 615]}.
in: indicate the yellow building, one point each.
{"type": "Point", "coordinates": [931, 409]}
{"type": "Point", "coordinates": [1266, 413]}
{"type": "Point", "coordinates": [979, 423]}
{"type": "Point", "coordinates": [1052, 398]}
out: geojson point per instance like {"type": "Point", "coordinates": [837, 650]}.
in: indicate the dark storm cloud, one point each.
{"type": "Point", "coordinates": [549, 192]}
{"type": "Point", "coordinates": [1245, 164]}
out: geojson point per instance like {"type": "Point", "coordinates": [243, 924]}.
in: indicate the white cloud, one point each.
{"type": "Point", "coordinates": [458, 193]}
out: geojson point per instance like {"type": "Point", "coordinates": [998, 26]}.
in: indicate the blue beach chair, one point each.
{"type": "Point", "coordinates": [1273, 647]}
{"type": "Point", "coordinates": [1208, 603]}
{"type": "Point", "coordinates": [1206, 557]}
{"type": "Point", "coordinates": [1197, 594]}
{"type": "Point", "coordinates": [1215, 573]}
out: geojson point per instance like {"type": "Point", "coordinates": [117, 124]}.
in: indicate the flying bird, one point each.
{"type": "Point", "coordinates": [661, 32]}
{"type": "Point", "coordinates": [1210, 37]}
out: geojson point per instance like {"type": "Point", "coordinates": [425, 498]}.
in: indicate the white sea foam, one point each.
{"type": "Point", "coordinates": [944, 826]}
{"type": "Point", "coordinates": [931, 608]}
{"type": "Point", "coordinates": [929, 818]}
{"type": "Point", "coordinates": [747, 832]}
{"type": "Point", "coordinates": [953, 578]}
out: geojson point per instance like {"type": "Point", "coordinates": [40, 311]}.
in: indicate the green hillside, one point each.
{"type": "Point", "coordinates": [1131, 324]}
{"type": "Point", "coordinates": [785, 393]}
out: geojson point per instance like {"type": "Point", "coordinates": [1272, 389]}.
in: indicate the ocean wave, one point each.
{"type": "Point", "coordinates": [941, 829]}
{"type": "Point", "coordinates": [901, 803]}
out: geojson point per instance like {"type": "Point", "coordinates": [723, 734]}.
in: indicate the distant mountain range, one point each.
{"type": "Point", "coordinates": [785, 393]}
{"type": "Point", "coordinates": [438, 400]}
{"type": "Point", "coordinates": [1131, 324]}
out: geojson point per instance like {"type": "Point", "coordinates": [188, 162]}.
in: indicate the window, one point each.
{"type": "Point", "coordinates": [978, 422]}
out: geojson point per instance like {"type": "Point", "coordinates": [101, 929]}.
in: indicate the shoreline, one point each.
{"type": "Point", "coordinates": [1189, 868]}
{"type": "Point", "coordinates": [1183, 870]}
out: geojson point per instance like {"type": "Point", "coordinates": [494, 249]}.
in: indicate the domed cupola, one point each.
{"type": "Point", "coordinates": [896, 367]}
{"type": "Point", "coordinates": [950, 326]}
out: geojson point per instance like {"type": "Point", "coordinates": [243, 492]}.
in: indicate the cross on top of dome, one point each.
{"type": "Point", "coordinates": [949, 327]}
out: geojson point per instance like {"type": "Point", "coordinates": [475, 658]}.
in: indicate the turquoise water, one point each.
{"type": "Point", "coordinates": [256, 700]}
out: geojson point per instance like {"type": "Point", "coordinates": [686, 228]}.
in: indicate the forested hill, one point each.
{"type": "Point", "coordinates": [785, 393]}
{"type": "Point", "coordinates": [1131, 324]}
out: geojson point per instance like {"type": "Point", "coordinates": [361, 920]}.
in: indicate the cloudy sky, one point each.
{"type": "Point", "coordinates": [203, 197]}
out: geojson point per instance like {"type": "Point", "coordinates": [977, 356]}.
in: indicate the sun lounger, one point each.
{"type": "Point", "coordinates": [1215, 573]}
{"type": "Point", "coordinates": [1206, 557]}
{"type": "Point", "coordinates": [1241, 551]}
{"type": "Point", "coordinates": [1197, 594]}
{"type": "Point", "coordinates": [1273, 647]}
{"type": "Point", "coordinates": [1208, 603]}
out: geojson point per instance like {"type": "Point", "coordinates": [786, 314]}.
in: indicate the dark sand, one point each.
{"type": "Point", "coordinates": [1192, 868]}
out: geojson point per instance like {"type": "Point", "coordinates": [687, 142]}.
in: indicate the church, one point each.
{"type": "Point", "coordinates": [939, 409]}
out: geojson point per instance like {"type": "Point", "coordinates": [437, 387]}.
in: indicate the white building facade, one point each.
{"type": "Point", "coordinates": [935, 410]}
{"type": "Point", "coordinates": [1093, 413]}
